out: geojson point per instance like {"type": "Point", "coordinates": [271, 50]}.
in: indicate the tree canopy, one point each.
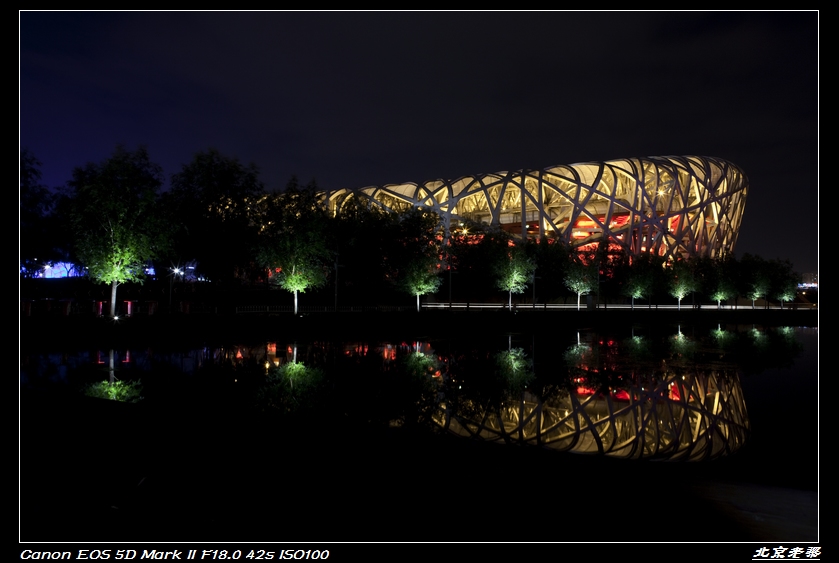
{"type": "Point", "coordinates": [514, 270]}
{"type": "Point", "coordinates": [213, 201]}
{"type": "Point", "coordinates": [38, 240]}
{"type": "Point", "coordinates": [114, 216]}
{"type": "Point", "coordinates": [581, 275]}
{"type": "Point", "coordinates": [414, 252]}
{"type": "Point", "coordinates": [293, 240]}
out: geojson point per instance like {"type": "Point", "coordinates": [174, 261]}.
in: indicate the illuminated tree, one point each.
{"type": "Point", "coordinates": [681, 280]}
{"type": "Point", "coordinates": [514, 270]}
{"type": "Point", "coordinates": [754, 277]}
{"type": "Point", "coordinates": [114, 216]}
{"type": "Point", "coordinates": [784, 281]}
{"type": "Point", "coordinates": [413, 252]}
{"type": "Point", "coordinates": [293, 241]}
{"type": "Point", "coordinates": [719, 278]}
{"type": "Point", "coordinates": [581, 275]}
{"type": "Point", "coordinates": [639, 279]}
{"type": "Point", "coordinates": [420, 279]}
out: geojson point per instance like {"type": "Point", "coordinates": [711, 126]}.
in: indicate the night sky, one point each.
{"type": "Point", "coordinates": [353, 99]}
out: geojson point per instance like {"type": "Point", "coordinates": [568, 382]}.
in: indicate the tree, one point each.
{"type": "Point", "coordinates": [581, 275]}
{"type": "Point", "coordinates": [214, 202]}
{"type": "Point", "coordinates": [783, 281]}
{"type": "Point", "coordinates": [514, 269]}
{"type": "Point", "coordinates": [682, 280]}
{"type": "Point", "coordinates": [357, 237]}
{"type": "Point", "coordinates": [413, 251]}
{"type": "Point", "coordinates": [638, 279]}
{"type": "Point", "coordinates": [37, 242]}
{"type": "Point", "coordinates": [471, 251]}
{"type": "Point", "coordinates": [293, 243]}
{"type": "Point", "coordinates": [420, 279]}
{"type": "Point", "coordinates": [551, 256]}
{"type": "Point", "coordinates": [717, 278]}
{"type": "Point", "coordinates": [754, 277]}
{"type": "Point", "coordinates": [114, 216]}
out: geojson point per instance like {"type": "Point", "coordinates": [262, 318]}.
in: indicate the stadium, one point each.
{"type": "Point", "coordinates": [670, 206]}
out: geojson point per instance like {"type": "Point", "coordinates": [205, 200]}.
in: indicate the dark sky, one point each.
{"type": "Point", "coordinates": [353, 99]}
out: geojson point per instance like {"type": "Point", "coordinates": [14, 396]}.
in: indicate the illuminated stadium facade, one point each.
{"type": "Point", "coordinates": [669, 205]}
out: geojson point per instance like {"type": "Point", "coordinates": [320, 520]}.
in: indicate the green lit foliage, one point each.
{"type": "Point", "coordinates": [581, 275]}
{"type": "Point", "coordinates": [639, 350]}
{"type": "Point", "coordinates": [681, 279]}
{"type": "Point", "coordinates": [123, 391]}
{"type": "Point", "coordinates": [515, 369]}
{"type": "Point", "coordinates": [754, 277]}
{"type": "Point", "coordinates": [682, 348]}
{"type": "Point", "coordinates": [294, 240]}
{"type": "Point", "coordinates": [640, 277]}
{"type": "Point", "coordinates": [723, 338]}
{"type": "Point", "coordinates": [492, 254]}
{"type": "Point", "coordinates": [413, 256]}
{"type": "Point", "coordinates": [419, 278]}
{"type": "Point", "coordinates": [724, 289]}
{"type": "Point", "coordinates": [115, 218]}
{"type": "Point", "coordinates": [486, 381]}
{"type": "Point", "coordinates": [717, 278]}
{"type": "Point", "coordinates": [783, 281]}
{"type": "Point", "coordinates": [414, 398]}
{"type": "Point", "coordinates": [291, 388]}
{"type": "Point", "coordinates": [514, 270]}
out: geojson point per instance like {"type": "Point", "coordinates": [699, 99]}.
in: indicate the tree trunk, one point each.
{"type": "Point", "coordinates": [113, 299]}
{"type": "Point", "coordinates": [418, 307]}
{"type": "Point", "coordinates": [295, 302]}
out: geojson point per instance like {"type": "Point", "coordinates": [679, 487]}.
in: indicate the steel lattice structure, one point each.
{"type": "Point", "coordinates": [667, 205]}
{"type": "Point", "coordinates": [690, 418]}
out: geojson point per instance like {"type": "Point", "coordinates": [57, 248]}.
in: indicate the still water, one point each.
{"type": "Point", "coordinates": [663, 392]}
{"type": "Point", "coordinates": [432, 439]}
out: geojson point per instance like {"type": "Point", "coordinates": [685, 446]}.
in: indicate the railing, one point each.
{"type": "Point", "coordinates": [74, 308]}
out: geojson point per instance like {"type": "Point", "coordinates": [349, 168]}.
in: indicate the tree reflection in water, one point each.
{"type": "Point", "coordinates": [676, 398]}
{"type": "Point", "coordinates": [673, 393]}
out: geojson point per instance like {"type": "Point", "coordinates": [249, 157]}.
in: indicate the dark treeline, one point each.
{"type": "Point", "coordinates": [217, 231]}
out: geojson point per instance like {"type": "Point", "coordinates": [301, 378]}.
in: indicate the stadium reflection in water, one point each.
{"type": "Point", "coordinates": [615, 405]}
{"type": "Point", "coordinates": [660, 396]}
{"type": "Point", "coordinates": [693, 417]}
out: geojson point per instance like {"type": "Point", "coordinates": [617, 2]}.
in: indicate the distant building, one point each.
{"type": "Point", "coordinates": [809, 280]}
{"type": "Point", "coordinates": [56, 270]}
{"type": "Point", "coordinates": [53, 270]}
{"type": "Point", "coordinates": [670, 206]}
